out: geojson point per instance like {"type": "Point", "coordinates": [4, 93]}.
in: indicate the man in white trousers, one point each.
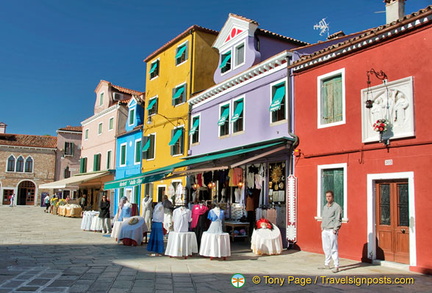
{"type": "Point", "coordinates": [330, 225]}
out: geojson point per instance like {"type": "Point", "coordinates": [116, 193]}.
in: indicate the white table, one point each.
{"type": "Point", "coordinates": [132, 228]}
{"type": "Point", "coordinates": [181, 244]}
{"type": "Point", "coordinates": [266, 241]}
{"type": "Point", "coordinates": [215, 245]}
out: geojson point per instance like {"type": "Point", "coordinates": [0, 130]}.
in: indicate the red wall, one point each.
{"type": "Point", "coordinates": [400, 58]}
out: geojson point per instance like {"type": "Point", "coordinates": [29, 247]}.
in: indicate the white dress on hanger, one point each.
{"type": "Point", "coordinates": [147, 211]}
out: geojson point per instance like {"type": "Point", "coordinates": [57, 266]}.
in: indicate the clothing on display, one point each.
{"type": "Point", "coordinates": [147, 210]}
{"type": "Point", "coordinates": [156, 242]}
{"type": "Point", "coordinates": [216, 216]}
{"type": "Point", "coordinates": [181, 219]}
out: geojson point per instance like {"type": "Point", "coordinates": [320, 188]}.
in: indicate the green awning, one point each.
{"type": "Point", "coordinates": [178, 92]}
{"type": "Point", "coordinates": [277, 98]}
{"type": "Point", "coordinates": [153, 67]}
{"type": "Point", "coordinates": [223, 118]}
{"type": "Point", "coordinates": [194, 127]}
{"type": "Point", "coordinates": [225, 60]}
{"type": "Point", "coordinates": [180, 51]}
{"type": "Point", "coordinates": [151, 104]}
{"type": "Point", "coordinates": [138, 179]}
{"type": "Point", "coordinates": [176, 136]}
{"type": "Point", "coordinates": [237, 112]}
{"type": "Point", "coordinates": [146, 146]}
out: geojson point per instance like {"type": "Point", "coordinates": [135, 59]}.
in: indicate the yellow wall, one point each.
{"type": "Point", "coordinates": [197, 72]}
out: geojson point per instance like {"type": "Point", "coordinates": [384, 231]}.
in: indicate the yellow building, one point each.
{"type": "Point", "coordinates": [182, 67]}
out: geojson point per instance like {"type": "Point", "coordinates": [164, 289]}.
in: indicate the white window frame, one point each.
{"type": "Point", "coordinates": [151, 64]}
{"type": "Point", "coordinates": [132, 110]}
{"type": "Point", "coordinates": [228, 120]}
{"type": "Point", "coordinates": [109, 159]}
{"type": "Point", "coordinates": [184, 84]}
{"type": "Point", "coordinates": [320, 80]}
{"type": "Point", "coordinates": [136, 150]}
{"type": "Point", "coordinates": [7, 163]}
{"type": "Point", "coordinates": [186, 52]}
{"type": "Point", "coordinates": [199, 129]}
{"type": "Point", "coordinates": [125, 154]}
{"type": "Point", "coordinates": [236, 55]}
{"type": "Point", "coordinates": [157, 102]}
{"type": "Point", "coordinates": [33, 162]}
{"type": "Point", "coordinates": [320, 193]}
{"type": "Point", "coordinates": [101, 98]}
{"type": "Point", "coordinates": [111, 124]}
{"type": "Point", "coordinates": [273, 84]}
{"type": "Point", "coordinates": [183, 144]}
{"type": "Point", "coordinates": [232, 63]}
{"type": "Point", "coordinates": [86, 134]}
{"type": "Point", "coordinates": [100, 128]}
{"type": "Point", "coordinates": [244, 114]}
{"type": "Point", "coordinates": [154, 149]}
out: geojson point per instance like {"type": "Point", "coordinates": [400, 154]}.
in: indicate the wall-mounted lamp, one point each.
{"type": "Point", "coordinates": [381, 76]}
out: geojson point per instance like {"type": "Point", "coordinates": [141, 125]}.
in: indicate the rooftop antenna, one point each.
{"type": "Point", "coordinates": [323, 26]}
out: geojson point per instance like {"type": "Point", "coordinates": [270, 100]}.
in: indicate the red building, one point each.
{"type": "Point", "coordinates": [379, 178]}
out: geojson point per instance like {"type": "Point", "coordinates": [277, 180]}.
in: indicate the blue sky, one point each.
{"type": "Point", "coordinates": [53, 53]}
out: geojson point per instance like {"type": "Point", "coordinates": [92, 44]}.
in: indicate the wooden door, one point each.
{"type": "Point", "coordinates": [392, 220]}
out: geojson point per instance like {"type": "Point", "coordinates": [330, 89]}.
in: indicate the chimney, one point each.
{"type": "Point", "coordinates": [2, 127]}
{"type": "Point", "coordinates": [395, 9]}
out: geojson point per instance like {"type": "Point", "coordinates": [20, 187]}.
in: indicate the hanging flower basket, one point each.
{"type": "Point", "coordinates": [381, 125]}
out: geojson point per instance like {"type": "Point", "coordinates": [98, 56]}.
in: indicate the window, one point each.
{"type": "Point", "coordinates": [131, 116]}
{"type": "Point", "coordinates": [176, 142]}
{"type": "Point", "coordinates": [278, 102]}
{"type": "Point", "coordinates": [111, 123]}
{"type": "Point", "coordinates": [149, 147]}
{"type": "Point", "coordinates": [83, 165]}
{"type": "Point", "coordinates": [148, 190]}
{"type": "Point", "coordinates": [109, 160]}
{"type": "Point", "coordinates": [67, 172]}
{"type": "Point", "coordinates": [69, 149]}
{"type": "Point", "coordinates": [181, 54]}
{"type": "Point", "coordinates": [121, 192]}
{"type": "Point", "coordinates": [97, 162]}
{"type": "Point", "coordinates": [154, 69]}
{"type": "Point", "coordinates": [123, 154]}
{"type": "Point", "coordinates": [152, 107]}
{"type": "Point", "coordinates": [11, 164]}
{"type": "Point", "coordinates": [19, 164]}
{"type": "Point", "coordinates": [28, 165]}
{"type": "Point", "coordinates": [100, 128]}
{"type": "Point", "coordinates": [223, 120]}
{"type": "Point", "coordinates": [239, 54]}
{"type": "Point", "coordinates": [86, 134]}
{"type": "Point", "coordinates": [137, 151]}
{"type": "Point", "coordinates": [179, 95]}
{"type": "Point", "coordinates": [101, 99]}
{"type": "Point", "coordinates": [332, 177]}
{"type": "Point", "coordinates": [237, 118]}
{"type": "Point", "coordinates": [194, 130]}
{"type": "Point", "coordinates": [225, 64]}
{"type": "Point", "coordinates": [331, 99]}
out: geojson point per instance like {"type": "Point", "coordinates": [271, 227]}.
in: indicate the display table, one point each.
{"type": "Point", "coordinates": [266, 241]}
{"type": "Point", "coordinates": [230, 226]}
{"type": "Point", "coordinates": [69, 210]}
{"type": "Point", "coordinates": [132, 228]}
{"type": "Point", "coordinates": [87, 219]}
{"type": "Point", "coordinates": [215, 245]}
{"type": "Point", "coordinates": [181, 244]}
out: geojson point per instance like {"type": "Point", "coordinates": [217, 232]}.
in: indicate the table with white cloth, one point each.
{"type": "Point", "coordinates": [96, 224]}
{"type": "Point", "coordinates": [215, 245]}
{"type": "Point", "coordinates": [266, 241]}
{"type": "Point", "coordinates": [181, 244]}
{"type": "Point", "coordinates": [132, 228]}
{"type": "Point", "coordinates": [116, 229]}
{"type": "Point", "coordinates": [87, 219]}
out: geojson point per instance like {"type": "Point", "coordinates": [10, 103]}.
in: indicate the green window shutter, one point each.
{"type": "Point", "coordinates": [153, 67]}
{"type": "Point", "coordinates": [194, 126]}
{"type": "Point", "coordinates": [278, 96]}
{"type": "Point", "coordinates": [237, 112]}
{"type": "Point", "coordinates": [178, 132]}
{"type": "Point", "coordinates": [180, 51]}
{"type": "Point", "coordinates": [333, 179]}
{"type": "Point", "coordinates": [178, 92]}
{"type": "Point", "coordinates": [123, 155]}
{"type": "Point", "coordinates": [146, 145]}
{"type": "Point", "coordinates": [226, 58]}
{"type": "Point", "coordinates": [331, 100]}
{"type": "Point", "coordinates": [151, 104]}
{"type": "Point", "coordinates": [223, 118]}
{"type": "Point", "coordinates": [137, 151]}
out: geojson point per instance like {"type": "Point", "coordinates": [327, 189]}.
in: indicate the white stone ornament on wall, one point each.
{"type": "Point", "coordinates": [392, 101]}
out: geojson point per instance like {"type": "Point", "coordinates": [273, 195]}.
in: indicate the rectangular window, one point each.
{"type": "Point", "coordinates": [111, 123]}
{"type": "Point", "coordinates": [154, 69]}
{"type": "Point", "coordinates": [176, 143]}
{"type": "Point", "coordinates": [100, 128]}
{"type": "Point", "coordinates": [86, 134]}
{"type": "Point", "coordinates": [83, 165]}
{"type": "Point", "coordinates": [331, 99]}
{"type": "Point", "coordinates": [69, 149]}
{"type": "Point", "coordinates": [148, 190]}
{"type": "Point", "coordinates": [137, 151]}
{"type": "Point", "coordinates": [223, 120]}
{"type": "Point", "coordinates": [237, 118]}
{"type": "Point", "coordinates": [334, 178]}
{"type": "Point", "coordinates": [194, 130]}
{"type": "Point", "coordinates": [278, 102]}
{"type": "Point", "coordinates": [179, 95]}
{"type": "Point", "coordinates": [97, 162]}
{"type": "Point", "coordinates": [123, 154]}
{"type": "Point", "coordinates": [109, 160]}
{"type": "Point", "coordinates": [101, 99]}
{"type": "Point", "coordinates": [225, 64]}
{"type": "Point", "coordinates": [148, 148]}
{"type": "Point", "coordinates": [152, 107]}
{"type": "Point", "coordinates": [181, 54]}
{"type": "Point", "coordinates": [240, 54]}
{"type": "Point", "coordinates": [131, 116]}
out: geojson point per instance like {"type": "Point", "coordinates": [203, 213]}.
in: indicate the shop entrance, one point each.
{"type": "Point", "coordinates": [392, 220]}
{"type": "Point", "coordinates": [26, 193]}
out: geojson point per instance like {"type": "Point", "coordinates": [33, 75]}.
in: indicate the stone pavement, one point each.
{"type": "Point", "coordinates": [41, 252]}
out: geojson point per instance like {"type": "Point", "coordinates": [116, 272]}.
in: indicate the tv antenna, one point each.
{"type": "Point", "coordinates": [323, 26]}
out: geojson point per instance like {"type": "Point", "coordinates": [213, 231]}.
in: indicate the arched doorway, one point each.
{"type": "Point", "coordinates": [26, 193]}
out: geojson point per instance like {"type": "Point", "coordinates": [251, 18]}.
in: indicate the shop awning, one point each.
{"type": "Point", "coordinates": [223, 117]}
{"type": "Point", "coordinates": [180, 51]}
{"type": "Point", "coordinates": [138, 179]}
{"type": "Point", "coordinates": [73, 181]}
{"type": "Point", "coordinates": [194, 127]}
{"type": "Point", "coordinates": [277, 99]}
{"type": "Point", "coordinates": [178, 92]}
{"type": "Point", "coordinates": [237, 112]}
{"type": "Point", "coordinates": [151, 104]}
{"type": "Point", "coordinates": [227, 58]}
{"type": "Point", "coordinates": [176, 136]}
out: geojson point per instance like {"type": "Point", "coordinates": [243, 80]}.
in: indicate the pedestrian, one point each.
{"type": "Point", "coordinates": [156, 242]}
{"type": "Point", "coordinates": [330, 225]}
{"type": "Point", "coordinates": [104, 214]}
{"type": "Point", "coordinates": [83, 201]}
{"type": "Point", "coordinates": [47, 202]}
{"type": "Point", "coordinates": [11, 198]}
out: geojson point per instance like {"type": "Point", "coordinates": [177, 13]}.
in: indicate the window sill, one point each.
{"type": "Point", "coordinates": [319, 219]}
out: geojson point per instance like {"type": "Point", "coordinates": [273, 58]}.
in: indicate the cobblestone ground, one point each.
{"type": "Point", "coordinates": [41, 252]}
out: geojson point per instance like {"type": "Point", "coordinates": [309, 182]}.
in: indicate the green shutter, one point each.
{"type": "Point", "coordinates": [237, 112]}
{"type": "Point", "coordinates": [123, 155]}
{"type": "Point", "coordinates": [178, 92]}
{"type": "Point", "coordinates": [194, 126]}
{"type": "Point", "coordinates": [176, 136]}
{"type": "Point", "coordinates": [180, 51]}
{"type": "Point", "coordinates": [331, 100]}
{"type": "Point", "coordinates": [151, 104]}
{"type": "Point", "coordinates": [333, 179]}
{"type": "Point", "coordinates": [278, 96]}
{"type": "Point", "coordinates": [225, 60]}
{"type": "Point", "coordinates": [147, 145]}
{"type": "Point", "coordinates": [153, 67]}
{"type": "Point", "coordinates": [138, 151]}
{"type": "Point", "coordinates": [223, 118]}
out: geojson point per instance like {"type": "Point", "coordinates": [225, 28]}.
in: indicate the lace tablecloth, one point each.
{"type": "Point", "coordinates": [266, 241]}
{"type": "Point", "coordinates": [132, 228]}
{"type": "Point", "coordinates": [181, 244]}
{"type": "Point", "coordinates": [215, 245]}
